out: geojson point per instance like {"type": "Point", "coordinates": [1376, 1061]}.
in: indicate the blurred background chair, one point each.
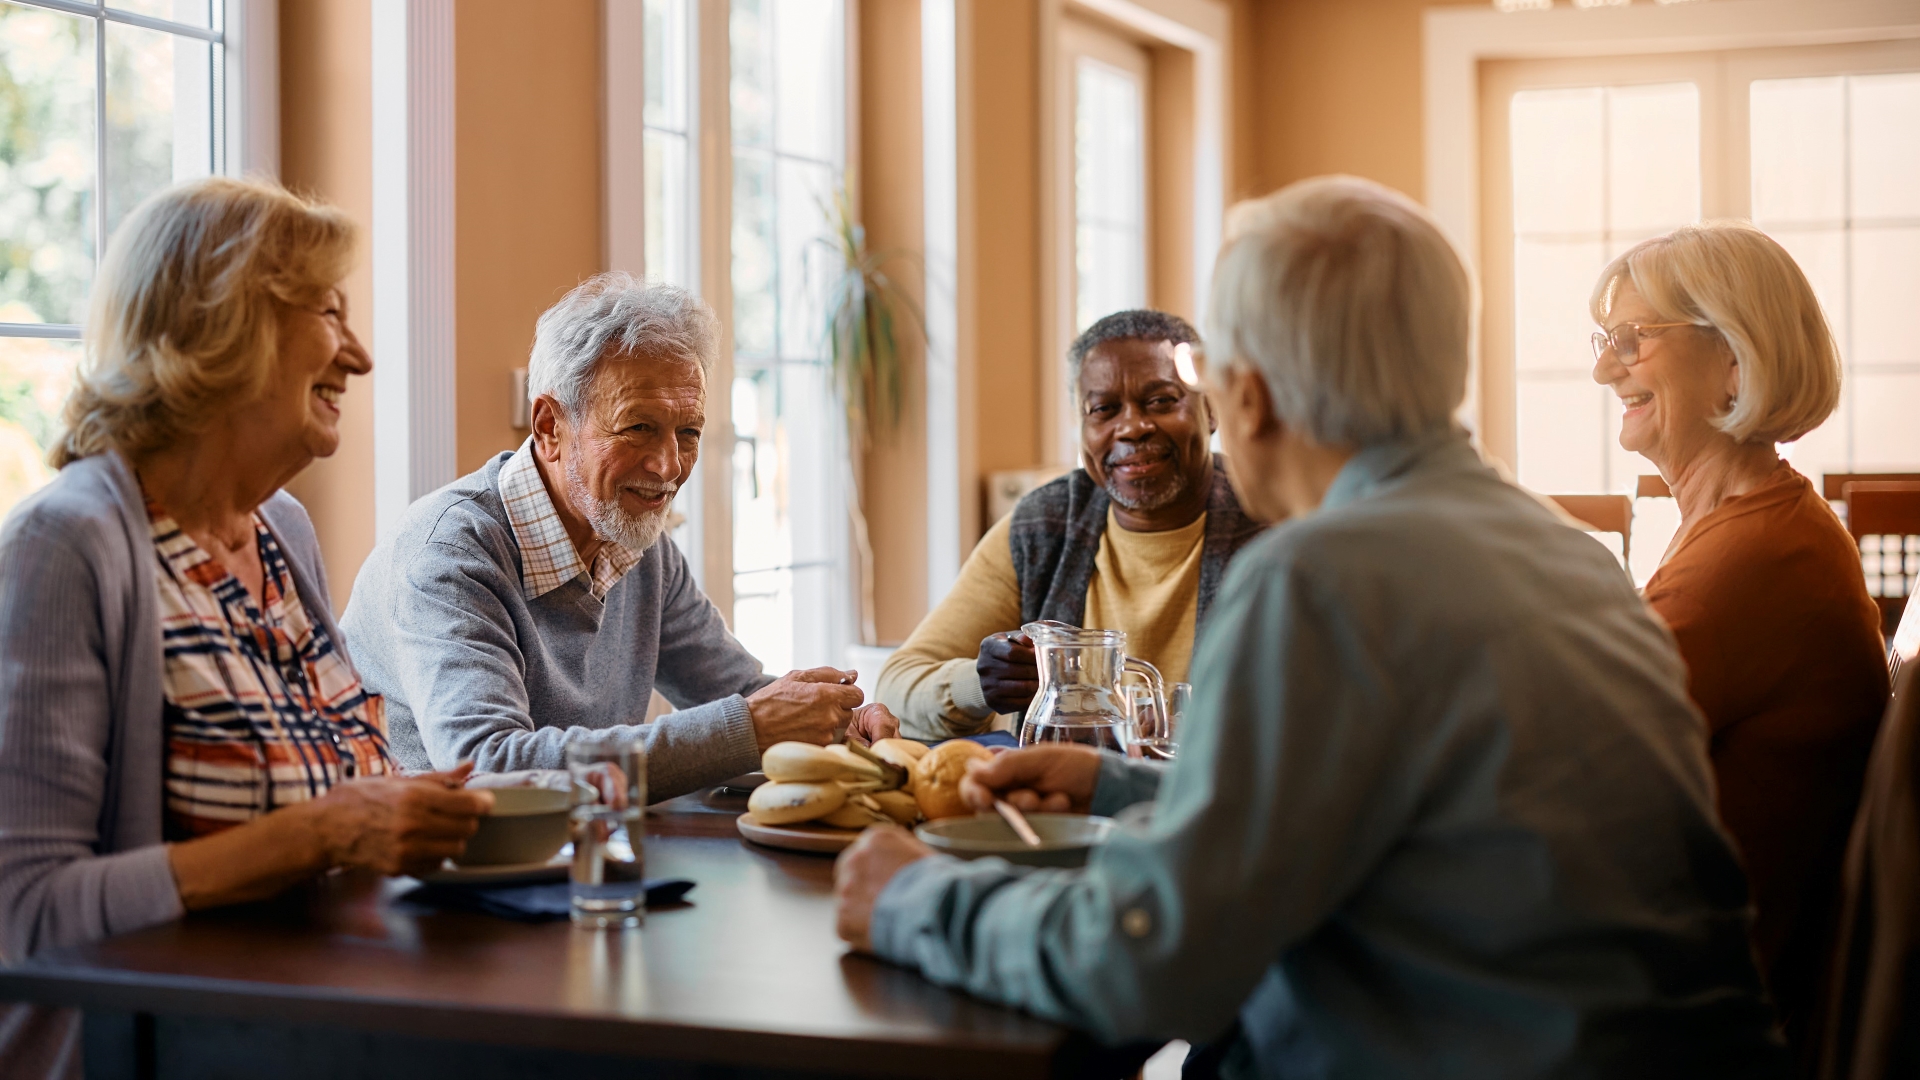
{"type": "Point", "coordinates": [1603, 514]}
{"type": "Point", "coordinates": [1870, 1020]}
{"type": "Point", "coordinates": [1884, 517]}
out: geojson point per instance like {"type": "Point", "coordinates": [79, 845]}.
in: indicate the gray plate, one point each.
{"type": "Point", "coordinates": [1065, 838]}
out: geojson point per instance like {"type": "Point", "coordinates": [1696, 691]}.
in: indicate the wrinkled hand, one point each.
{"type": "Point", "coordinates": [1009, 674]}
{"type": "Point", "coordinates": [397, 825]}
{"type": "Point", "coordinates": [862, 871]}
{"type": "Point", "coordinates": [1058, 778]}
{"type": "Point", "coordinates": [873, 722]}
{"type": "Point", "coordinates": [811, 706]}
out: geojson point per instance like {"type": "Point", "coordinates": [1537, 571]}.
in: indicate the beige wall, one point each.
{"type": "Point", "coordinates": [526, 192]}
{"type": "Point", "coordinates": [326, 150]}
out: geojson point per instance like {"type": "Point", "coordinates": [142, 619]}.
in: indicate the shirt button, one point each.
{"type": "Point", "coordinates": [1136, 923]}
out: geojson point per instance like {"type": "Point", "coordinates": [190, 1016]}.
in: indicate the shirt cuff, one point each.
{"type": "Point", "coordinates": [963, 686]}
{"type": "Point", "coordinates": [903, 908]}
{"type": "Point", "coordinates": [1122, 783]}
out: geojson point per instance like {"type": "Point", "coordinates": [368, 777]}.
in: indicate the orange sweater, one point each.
{"type": "Point", "coordinates": [1785, 658]}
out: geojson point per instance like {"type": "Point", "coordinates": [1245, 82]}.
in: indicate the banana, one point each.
{"type": "Point", "coordinates": [784, 803]}
{"type": "Point", "coordinates": [897, 805]}
{"type": "Point", "coordinates": [798, 762]}
{"type": "Point", "coordinates": [853, 815]}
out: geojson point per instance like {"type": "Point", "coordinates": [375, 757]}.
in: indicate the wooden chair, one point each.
{"type": "Point", "coordinates": [1603, 513]}
{"type": "Point", "coordinates": [1833, 485]}
{"type": "Point", "coordinates": [1868, 1024]}
{"type": "Point", "coordinates": [1888, 511]}
{"type": "Point", "coordinates": [1652, 487]}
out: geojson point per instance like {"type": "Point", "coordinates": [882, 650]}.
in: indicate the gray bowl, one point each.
{"type": "Point", "coordinates": [528, 825]}
{"type": "Point", "coordinates": [1065, 839]}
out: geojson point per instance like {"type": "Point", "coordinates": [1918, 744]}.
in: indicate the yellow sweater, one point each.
{"type": "Point", "coordinates": [1144, 583]}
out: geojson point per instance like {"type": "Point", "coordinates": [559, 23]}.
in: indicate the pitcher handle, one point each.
{"type": "Point", "coordinates": [1156, 686]}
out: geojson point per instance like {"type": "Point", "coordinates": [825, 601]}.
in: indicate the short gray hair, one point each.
{"type": "Point", "coordinates": [1140, 324]}
{"type": "Point", "coordinates": [616, 314]}
{"type": "Point", "coordinates": [1348, 300]}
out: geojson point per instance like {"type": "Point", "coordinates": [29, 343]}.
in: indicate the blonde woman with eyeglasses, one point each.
{"type": "Point", "coordinates": [1714, 342]}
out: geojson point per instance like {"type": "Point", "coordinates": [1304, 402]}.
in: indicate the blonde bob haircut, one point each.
{"type": "Point", "coordinates": [1356, 310]}
{"type": "Point", "coordinates": [1733, 279]}
{"type": "Point", "coordinates": [184, 319]}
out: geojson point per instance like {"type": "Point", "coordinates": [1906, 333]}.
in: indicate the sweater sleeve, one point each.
{"type": "Point", "coordinates": [56, 719]}
{"type": "Point", "coordinates": [453, 651]}
{"type": "Point", "coordinates": [930, 682]}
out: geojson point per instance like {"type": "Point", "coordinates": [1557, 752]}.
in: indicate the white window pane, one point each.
{"type": "Point", "coordinates": [1653, 165]}
{"type": "Point", "coordinates": [1886, 289]}
{"type": "Point", "coordinates": [35, 375]}
{"type": "Point", "coordinates": [1562, 442]}
{"type": "Point", "coordinates": [807, 261]}
{"type": "Point", "coordinates": [807, 108]}
{"type": "Point", "coordinates": [763, 616]}
{"type": "Point", "coordinates": [1551, 283]}
{"type": "Point", "coordinates": [191, 12]}
{"type": "Point", "coordinates": [1824, 449]}
{"type": "Point", "coordinates": [1557, 167]}
{"type": "Point", "coordinates": [159, 114]}
{"type": "Point", "coordinates": [1109, 192]}
{"type": "Point", "coordinates": [1798, 129]}
{"type": "Point", "coordinates": [1886, 145]}
{"type": "Point", "coordinates": [753, 255]}
{"type": "Point", "coordinates": [669, 214]}
{"type": "Point", "coordinates": [1886, 438]}
{"type": "Point", "coordinates": [809, 449]}
{"type": "Point", "coordinates": [665, 63]}
{"type": "Point", "coordinates": [46, 166]}
{"type": "Point", "coordinates": [750, 78]}
{"type": "Point", "coordinates": [761, 539]}
{"type": "Point", "coordinates": [813, 590]}
{"type": "Point", "coordinates": [1109, 274]}
{"type": "Point", "coordinates": [1822, 256]}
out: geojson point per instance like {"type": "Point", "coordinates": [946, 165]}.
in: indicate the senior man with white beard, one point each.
{"type": "Point", "coordinates": [536, 597]}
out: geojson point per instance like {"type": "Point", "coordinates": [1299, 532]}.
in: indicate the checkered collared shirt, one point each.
{"type": "Point", "coordinates": [548, 559]}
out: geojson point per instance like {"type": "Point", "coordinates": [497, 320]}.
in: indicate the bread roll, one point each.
{"type": "Point", "coordinates": [936, 779]}
{"type": "Point", "coordinates": [777, 803]}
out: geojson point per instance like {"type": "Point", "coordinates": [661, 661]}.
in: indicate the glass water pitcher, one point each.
{"type": "Point", "coordinates": [1079, 699]}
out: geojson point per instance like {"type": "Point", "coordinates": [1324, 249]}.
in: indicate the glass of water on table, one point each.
{"type": "Point", "coordinates": [1155, 737]}
{"type": "Point", "coordinates": [609, 773]}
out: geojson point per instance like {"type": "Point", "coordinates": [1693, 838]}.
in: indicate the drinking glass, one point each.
{"type": "Point", "coordinates": [1152, 732]}
{"type": "Point", "coordinates": [609, 772]}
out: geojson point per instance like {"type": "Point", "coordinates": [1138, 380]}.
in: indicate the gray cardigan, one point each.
{"type": "Point", "coordinates": [472, 668]}
{"type": "Point", "coordinates": [81, 730]}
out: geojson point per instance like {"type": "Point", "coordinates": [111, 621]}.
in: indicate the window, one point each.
{"type": "Point", "coordinates": [787, 87]}
{"type": "Point", "coordinates": [132, 93]}
{"type": "Point", "coordinates": [1819, 146]}
{"type": "Point", "coordinates": [670, 221]}
{"type": "Point", "coordinates": [1109, 191]}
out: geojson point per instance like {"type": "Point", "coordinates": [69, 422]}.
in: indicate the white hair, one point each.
{"type": "Point", "coordinates": [1345, 296]}
{"type": "Point", "coordinates": [616, 314]}
{"type": "Point", "coordinates": [1730, 278]}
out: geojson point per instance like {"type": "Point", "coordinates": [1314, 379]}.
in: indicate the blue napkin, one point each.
{"type": "Point", "coordinates": [530, 903]}
{"type": "Point", "coordinates": [995, 738]}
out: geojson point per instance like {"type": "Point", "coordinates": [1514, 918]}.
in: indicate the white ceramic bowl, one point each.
{"type": "Point", "coordinates": [528, 825]}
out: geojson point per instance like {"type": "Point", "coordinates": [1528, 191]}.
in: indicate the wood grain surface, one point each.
{"type": "Point", "coordinates": [748, 974]}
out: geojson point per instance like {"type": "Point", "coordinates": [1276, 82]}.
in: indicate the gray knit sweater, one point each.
{"type": "Point", "coordinates": [473, 669]}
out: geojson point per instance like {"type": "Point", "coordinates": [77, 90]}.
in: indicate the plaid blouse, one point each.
{"type": "Point", "coordinates": [262, 709]}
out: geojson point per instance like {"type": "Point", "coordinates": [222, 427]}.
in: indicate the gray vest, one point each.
{"type": "Point", "coordinates": [1056, 534]}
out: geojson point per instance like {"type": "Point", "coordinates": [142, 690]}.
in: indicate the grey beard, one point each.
{"type": "Point", "coordinates": [1151, 500]}
{"type": "Point", "coordinates": [610, 520]}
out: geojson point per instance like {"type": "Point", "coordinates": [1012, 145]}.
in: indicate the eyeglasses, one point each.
{"type": "Point", "coordinates": [1625, 339]}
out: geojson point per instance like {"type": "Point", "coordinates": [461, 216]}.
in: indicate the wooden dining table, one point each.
{"type": "Point", "coordinates": [344, 978]}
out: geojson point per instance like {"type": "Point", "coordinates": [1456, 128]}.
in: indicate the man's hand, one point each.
{"type": "Point", "coordinates": [862, 871]}
{"type": "Point", "coordinates": [1009, 674]}
{"type": "Point", "coordinates": [401, 826]}
{"type": "Point", "coordinates": [874, 722]}
{"type": "Point", "coordinates": [811, 706]}
{"type": "Point", "coordinates": [1057, 778]}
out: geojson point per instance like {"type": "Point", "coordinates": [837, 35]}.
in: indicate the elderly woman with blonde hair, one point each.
{"type": "Point", "coordinates": [1441, 808]}
{"type": "Point", "coordinates": [180, 723]}
{"type": "Point", "coordinates": [1713, 340]}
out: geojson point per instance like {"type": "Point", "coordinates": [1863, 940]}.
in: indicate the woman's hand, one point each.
{"type": "Point", "coordinates": [1059, 779]}
{"type": "Point", "coordinates": [401, 826]}
{"type": "Point", "coordinates": [874, 722]}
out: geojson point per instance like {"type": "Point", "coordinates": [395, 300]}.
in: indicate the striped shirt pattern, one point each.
{"type": "Point", "coordinates": [548, 558]}
{"type": "Point", "coordinates": [262, 710]}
